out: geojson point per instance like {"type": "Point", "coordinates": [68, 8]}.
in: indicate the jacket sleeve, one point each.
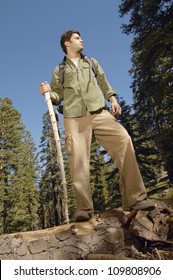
{"type": "Point", "coordinates": [56, 86]}
{"type": "Point", "coordinates": [104, 85]}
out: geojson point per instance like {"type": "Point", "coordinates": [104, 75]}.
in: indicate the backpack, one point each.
{"type": "Point", "coordinates": [62, 69]}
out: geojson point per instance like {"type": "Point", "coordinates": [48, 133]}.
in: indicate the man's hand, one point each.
{"type": "Point", "coordinates": [116, 109]}
{"type": "Point", "coordinates": [44, 87]}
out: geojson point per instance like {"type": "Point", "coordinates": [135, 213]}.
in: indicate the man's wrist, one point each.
{"type": "Point", "coordinates": [113, 99]}
{"type": "Point", "coordinates": [53, 96]}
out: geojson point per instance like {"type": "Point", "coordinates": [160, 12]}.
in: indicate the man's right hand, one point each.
{"type": "Point", "coordinates": [44, 87]}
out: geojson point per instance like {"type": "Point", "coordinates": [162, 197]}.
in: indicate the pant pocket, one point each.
{"type": "Point", "coordinates": [68, 143]}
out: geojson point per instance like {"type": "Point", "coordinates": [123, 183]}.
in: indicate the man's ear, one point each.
{"type": "Point", "coordinates": [67, 43]}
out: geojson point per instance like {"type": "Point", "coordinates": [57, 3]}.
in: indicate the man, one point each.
{"type": "Point", "coordinates": [83, 93]}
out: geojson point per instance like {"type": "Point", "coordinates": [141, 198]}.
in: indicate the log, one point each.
{"type": "Point", "coordinates": [149, 235]}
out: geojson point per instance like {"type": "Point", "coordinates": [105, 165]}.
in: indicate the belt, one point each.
{"type": "Point", "coordinates": [97, 111]}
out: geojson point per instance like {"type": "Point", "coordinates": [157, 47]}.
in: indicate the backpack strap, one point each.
{"type": "Point", "coordinates": [61, 71]}
{"type": "Point", "coordinates": [92, 67]}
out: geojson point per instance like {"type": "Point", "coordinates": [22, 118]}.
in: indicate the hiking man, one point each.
{"type": "Point", "coordinates": [83, 91]}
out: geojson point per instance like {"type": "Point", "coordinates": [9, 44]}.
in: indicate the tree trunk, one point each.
{"type": "Point", "coordinates": [110, 235]}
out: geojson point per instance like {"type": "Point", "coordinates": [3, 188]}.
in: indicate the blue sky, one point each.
{"type": "Point", "coordinates": [30, 50]}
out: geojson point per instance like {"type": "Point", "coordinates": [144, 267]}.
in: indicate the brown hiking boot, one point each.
{"type": "Point", "coordinates": [83, 216]}
{"type": "Point", "coordinates": [143, 205]}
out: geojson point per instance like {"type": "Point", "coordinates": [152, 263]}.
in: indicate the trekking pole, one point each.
{"type": "Point", "coordinates": [59, 151]}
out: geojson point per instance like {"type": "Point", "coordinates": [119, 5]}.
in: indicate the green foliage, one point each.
{"type": "Point", "coordinates": [50, 187]}
{"type": "Point", "coordinates": [97, 178]}
{"type": "Point", "coordinates": [18, 173]}
{"type": "Point", "coordinates": [112, 179]}
{"type": "Point", "coordinates": [152, 71]}
{"type": "Point", "coordinates": [51, 195]}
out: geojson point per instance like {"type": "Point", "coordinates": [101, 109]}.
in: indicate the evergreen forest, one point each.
{"type": "Point", "coordinates": [31, 193]}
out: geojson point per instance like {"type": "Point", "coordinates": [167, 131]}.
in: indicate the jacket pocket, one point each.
{"type": "Point", "coordinates": [69, 78]}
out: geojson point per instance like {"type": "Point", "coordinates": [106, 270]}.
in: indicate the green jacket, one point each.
{"type": "Point", "coordinates": [79, 92]}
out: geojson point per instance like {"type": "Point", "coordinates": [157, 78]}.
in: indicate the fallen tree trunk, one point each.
{"type": "Point", "coordinates": [107, 236]}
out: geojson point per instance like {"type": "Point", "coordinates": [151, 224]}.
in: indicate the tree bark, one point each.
{"type": "Point", "coordinates": [109, 235]}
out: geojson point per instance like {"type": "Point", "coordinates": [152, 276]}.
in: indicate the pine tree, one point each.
{"type": "Point", "coordinates": [147, 154]}
{"type": "Point", "coordinates": [25, 187]}
{"type": "Point", "coordinates": [113, 180]}
{"type": "Point", "coordinates": [97, 177]}
{"type": "Point", "coordinates": [51, 193]}
{"type": "Point", "coordinates": [18, 200]}
{"type": "Point", "coordinates": [152, 25]}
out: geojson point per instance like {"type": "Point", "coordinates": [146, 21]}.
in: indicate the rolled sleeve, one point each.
{"type": "Point", "coordinates": [56, 86]}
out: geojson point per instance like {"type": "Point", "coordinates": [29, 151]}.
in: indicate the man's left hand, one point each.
{"type": "Point", "coordinates": [116, 109]}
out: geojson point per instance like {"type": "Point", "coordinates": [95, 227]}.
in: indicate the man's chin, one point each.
{"type": "Point", "coordinates": [81, 49]}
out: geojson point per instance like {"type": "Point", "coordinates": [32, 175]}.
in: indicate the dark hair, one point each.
{"type": "Point", "coordinates": [66, 36]}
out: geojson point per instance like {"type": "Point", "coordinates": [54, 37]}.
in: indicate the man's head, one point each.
{"type": "Point", "coordinates": [71, 38]}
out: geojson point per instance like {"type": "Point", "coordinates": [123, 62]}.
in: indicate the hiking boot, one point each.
{"type": "Point", "coordinates": [143, 205]}
{"type": "Point", "coordinates": [82, 216]}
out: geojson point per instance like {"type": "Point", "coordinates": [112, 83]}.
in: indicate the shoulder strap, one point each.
{"type": "Point", "coordinates": [61, 71]}
{"type": "Point", "coordinates": [89, 60]}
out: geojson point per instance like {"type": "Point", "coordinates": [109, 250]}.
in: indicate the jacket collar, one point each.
{"type": "Point", "coordinates": [66, 57]}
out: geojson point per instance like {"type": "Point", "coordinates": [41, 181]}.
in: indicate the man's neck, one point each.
{"type": "Point", "coordinates": [72, 55]}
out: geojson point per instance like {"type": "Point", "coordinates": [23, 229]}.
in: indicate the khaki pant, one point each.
{"type": "Point", "coordinates": [111, 135]}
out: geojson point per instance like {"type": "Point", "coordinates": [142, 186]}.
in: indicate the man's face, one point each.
{"type": "Point", "coordinates": [75, 44]}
